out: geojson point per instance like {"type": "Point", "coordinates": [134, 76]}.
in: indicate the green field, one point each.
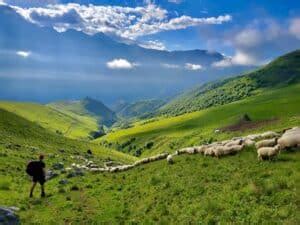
{"type": "Point", "coordinates": [194, 190]}
{"type": "Point", "coordinates": [65, 123]}
{"type": "Point", "coordinates": [281, 105]}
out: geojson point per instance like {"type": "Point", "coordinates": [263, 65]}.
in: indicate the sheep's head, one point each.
{"type": "Point", "coordinates": [277, 148]}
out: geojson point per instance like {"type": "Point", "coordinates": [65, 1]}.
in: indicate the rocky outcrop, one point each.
{"type": "Point", "coordinates": [8, 216]}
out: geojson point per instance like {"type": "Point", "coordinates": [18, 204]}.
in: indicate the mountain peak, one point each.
{"type": "Point", "coordinates": [88, 106]}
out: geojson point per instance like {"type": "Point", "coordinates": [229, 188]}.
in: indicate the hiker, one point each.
{"type": "Point", "coordinates": [36, 169]}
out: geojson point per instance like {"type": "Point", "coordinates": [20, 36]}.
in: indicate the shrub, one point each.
{"type": "Point", "coordinates": [149, 145]}
{"type": "Point", "coordinates": [74, 188]}
{"type": "Point", "coordinates": [138, 152]}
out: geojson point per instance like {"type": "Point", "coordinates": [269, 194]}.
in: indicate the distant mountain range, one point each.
{"type": "Point", "coordinates": [41, 64]}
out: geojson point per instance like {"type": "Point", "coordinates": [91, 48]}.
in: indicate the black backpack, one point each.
{"type": "Point", "coordinates": [31, 168]}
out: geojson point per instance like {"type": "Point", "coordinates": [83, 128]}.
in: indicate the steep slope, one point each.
{"type": "Point", "coordinates": [140, 109]}
{"type": "Point", "coordinates": [30, 139]}
{"type": "Point", "coordinates": [66, 124]}
{"type": "Point", "coordinates": [283, 71]}
{"type": "Point", "coordinates": [87, 107]}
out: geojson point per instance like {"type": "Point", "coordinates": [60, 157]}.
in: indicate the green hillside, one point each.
{"type": "Point", "coordinates": [87, 107]}
{"type": "Point", "coordinates": [284, 70]}
{"type": "Point", "coordinates": [15, 130]}
{"type": "Point", "coordinates": [140, 109]}
{"type": "Point", "coordinates": [195, 188]}
{"type": "Point", "coordinates": [272, 109]}
{"type": "Point", "coordinates": [235, 189]}
{"type": "Point", "coordinates": [63, 123]}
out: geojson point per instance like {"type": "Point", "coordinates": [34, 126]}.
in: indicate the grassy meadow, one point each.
{"type": "Point", "coordinates": [65, 123]}
{"type": "Point", "coordinates": [194, 190]}
{"type": "Point", "coordinates": [279, 107]}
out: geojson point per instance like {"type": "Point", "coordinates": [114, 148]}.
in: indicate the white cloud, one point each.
{"type": "Point", "coordinates": [248, 38]}
{"type": "Point", "coordinates": [170, 66]}
{"type": "Point", "coordinates": [226, 62]}
{"type": "Point", "coordinates": [23, 54]}
{"type": "Point", "coordinates": [190, 66]}
{"type": "Point", "coordinates": [120, 64]}
{"type": "Point", "coordinates": [243, 58]}
{"type": "Point", "coordinates": [254, 43]}
{"type": "Point", "coordinates": [125, 22]}
{"type": "Point", "coordinates": [294, 27]}
{"type": "Point", "coordinates": [240, 58]}
{"type": "Point", "coordinates": [157, 45]}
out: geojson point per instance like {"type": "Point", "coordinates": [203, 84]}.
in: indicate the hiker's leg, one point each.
{"type": "Point", "coordinates": [42, 182]}
{"type": "Point", "coordinates": [43, 190]}
{"type": "Point", "coordinates": [32, 188]}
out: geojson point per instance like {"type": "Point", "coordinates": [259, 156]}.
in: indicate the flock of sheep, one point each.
{"type": "Point", "coordinates": [268, 145]}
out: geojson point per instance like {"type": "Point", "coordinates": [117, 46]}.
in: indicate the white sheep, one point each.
{"type": "Point", "coordinates": [266, 143]}
{"type": "Point", "coordinates": [219, 151]}
{"type": "Point", "coordinates": [225, 142]}
{"type": "Point", "coordinates": [290, 139]}
{"type": "Point", "coordinates": [234, 142]}
{"type": "Point", "coordinates": [228, 150]}
{"type": "Point", "coordinates": [209, 151]}
{"type": "Point", "coordinates": [268, 152]}
{"type": "Point", "coordinates": [249, 142]}
{"type": "Point", "coordinates": [269, 134]}
{"type": "Point", "coordinates": [142, 161]}
{"type": "Point", "coordinates": [113, 169]}
{"type": "Point", "coordinates": [237, 148]}
{"type": "Point", "coordinates": [158, 157]}
{"type": "Point", "coordinates": [253, 137]}
{"type": "Point", "coordinates": [170, 159]}
{"type": "Point", "coordinates": [125, 167]}
{"type": "Point", "coordinates": [200, 149]}
{"type": "Point", "coordinates": [190, 150]}
{"type": "Point", "coordinates": [293, 130]}
{"type": "Point", "coordinates": [98, 170]}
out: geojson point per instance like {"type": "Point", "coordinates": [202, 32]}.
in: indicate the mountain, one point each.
{"type": "Point", "coordinates": [41, 64]}
{"type": "Point", "coordinates": [139, 109]}
{"type": "Point", "coordinates": [27, 139]}
{"type": "Point", "coordinates": [282, 71]}
{"type": "Point", "coordinates": [87, 107]}
{"type": "Point", "coordinates": [65, 123]}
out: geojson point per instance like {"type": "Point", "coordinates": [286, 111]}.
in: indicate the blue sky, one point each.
{"type": "Point", "coordinates": [248, 32]}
